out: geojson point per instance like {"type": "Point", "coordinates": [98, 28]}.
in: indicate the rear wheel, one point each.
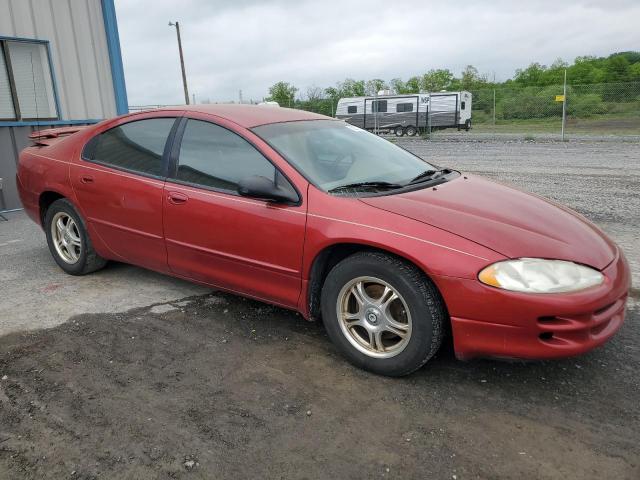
{"type": "Point", "coordinates": [399, 131]}
{"type": "Point", "coordinates": [467, 125]}
{"type": "Point", "coordinates": [411, 130]}
{"type": "Point", "coordinates": [68, 240]}
{"type": "Point", "coordinates": [382, 313]}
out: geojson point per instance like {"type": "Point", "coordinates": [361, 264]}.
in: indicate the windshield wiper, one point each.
{"type": "Point", "coordinates": [377, 185]}
{"type": "Point", "coordinates": [429, 175]}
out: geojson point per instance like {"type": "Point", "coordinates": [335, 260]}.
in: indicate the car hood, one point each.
{"type": "Point", "coordinates": [504, 219]}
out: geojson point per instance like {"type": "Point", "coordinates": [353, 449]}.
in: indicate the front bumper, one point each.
{"type": "Point", "coordinates": [489, 322]}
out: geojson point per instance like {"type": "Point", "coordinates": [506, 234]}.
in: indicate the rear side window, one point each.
{"type": "Point", "coordinates": [136, 146]}
{"type": "Point", "coordinates": [215, 157]}
{"type": "Point", "coordinates": [404, 107]}
{"type": "Point", "coordinates": [352, 109]}
{"type": "Point", "coordinates": [463, 105]}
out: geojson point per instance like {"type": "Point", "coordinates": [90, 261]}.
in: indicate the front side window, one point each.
{"type": "Point", "coordinates": [352, 109]}
{"type": "Point", "coordinates": [214, 157]}
{"type": "Point", "coordinates": [404, 107]}
{"type": "Point", "coordinates": [333, 153]}
{"type": "Point", "coordinates": [26, 85]}
{"type": "Point", "coordinates": [135, 146]}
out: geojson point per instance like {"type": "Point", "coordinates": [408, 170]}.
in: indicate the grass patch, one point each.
{"type": "Point", "coordinates": [608, 124]}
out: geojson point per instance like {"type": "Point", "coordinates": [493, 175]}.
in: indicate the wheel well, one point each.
{"type": "Point", "coordinates": [46, 199]}
{"type": "Point", "coordinates": [329, 258]}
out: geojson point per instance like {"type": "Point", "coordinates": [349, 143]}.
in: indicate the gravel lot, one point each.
{"type": "Point", "coordinates": [141, 376]}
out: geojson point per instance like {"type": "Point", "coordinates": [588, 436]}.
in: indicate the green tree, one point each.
{"type": "Point", "coordinates": [412, 85]}
{"type": "Point", "coordinates": [436, 80]}
{"type": "Point", "coordinates": [283, 93]}
{"type": "Point", "coordinates": [617, 69]}
{"type": "Point", "coordinates": [375, 85]}
{"type": "Point", "coordinates": [470, 78]}
{"type": "Point", "coordinates": [398, 86]}
{"type": "Point", "coordinates": [532, 75]}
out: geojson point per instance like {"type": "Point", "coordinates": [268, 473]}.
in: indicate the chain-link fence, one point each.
{"type": "Point", "coordinates": [595, 109]}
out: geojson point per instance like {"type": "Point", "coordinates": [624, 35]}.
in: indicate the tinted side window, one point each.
{"type": "Point", "coordinates": [404, 107]}
{"type": "Point", "coordinates": [213, 156]}
{"type": "Point", "coordinates": [352, 109]}
{"type": "Point", "coordinates": [136, 146]}
{"type": "Point", "coordinates": [379, 106]}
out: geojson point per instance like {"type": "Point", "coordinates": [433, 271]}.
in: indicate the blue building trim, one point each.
{"type": "Point", "coordinates": [52, 70]}
{"type": "Point", "coordinates": [115, 56]}
{"type": "Point", "coordinates": [46, 123]}
{"type": "Point", "coordinates": [22, 39]}
{"type": "Point", "coordinates": [54, 83]}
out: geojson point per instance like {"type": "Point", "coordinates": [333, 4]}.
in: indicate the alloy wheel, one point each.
{"type": "Point", "coordinates": [66, 237]}
{"type": "Point", "coordinates": [374, 317]}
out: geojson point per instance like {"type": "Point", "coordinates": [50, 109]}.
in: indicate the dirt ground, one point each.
{"type": "Point", "coordinates": [193, 384]}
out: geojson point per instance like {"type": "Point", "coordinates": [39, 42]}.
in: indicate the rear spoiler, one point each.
{"type": "Point", "coordinates": [50, 136]}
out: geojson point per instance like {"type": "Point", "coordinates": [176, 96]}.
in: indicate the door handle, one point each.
{"type": "Point", "coordinates": [86, 179]}
{"type": "Point", "coordinates": [177, 198]}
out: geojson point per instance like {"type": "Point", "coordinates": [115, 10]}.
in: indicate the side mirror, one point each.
{"type": "Point", "coordinates": [263, 188]}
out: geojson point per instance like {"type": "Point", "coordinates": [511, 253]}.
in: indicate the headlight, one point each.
{"type": "Point", "coordinates": [536, 275]}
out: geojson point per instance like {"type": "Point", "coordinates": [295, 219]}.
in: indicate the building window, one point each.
{"type": "Point", "coordinates": [404, 107]}
{"type": "Point", "coordinates": [379, 106]}
{"type": "Point", "coordinates": [26, 83]}
{"type": "Point", "coordinates": [352, 109]}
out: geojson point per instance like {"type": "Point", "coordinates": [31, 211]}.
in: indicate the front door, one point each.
{"type": "Point", "coordinates": [119, 184]}
{"type": "Point", "coordinates": [216, 236]}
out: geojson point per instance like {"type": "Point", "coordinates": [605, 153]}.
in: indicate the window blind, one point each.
{"type": "Point", "coordinates": [32, 79]}
{"type": "Point", "coordinates": [7, 112]}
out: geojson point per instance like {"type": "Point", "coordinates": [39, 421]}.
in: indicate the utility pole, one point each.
{"type": "Point", "coordinates": [184, 75]}
{"type": "Point", "coordinates": [240, 95]}
{"type": "Point", "coordinates": [564, 102]}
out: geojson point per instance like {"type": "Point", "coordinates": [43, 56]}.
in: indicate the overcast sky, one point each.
{"type": "Point", "coordinates": [249, 45]}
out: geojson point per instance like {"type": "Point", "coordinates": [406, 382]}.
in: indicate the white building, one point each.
{"type": "Point", "coordinates": [60, 64]}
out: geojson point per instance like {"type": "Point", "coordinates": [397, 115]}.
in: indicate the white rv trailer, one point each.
{"type": "Point", "coordinates": [407, 114]}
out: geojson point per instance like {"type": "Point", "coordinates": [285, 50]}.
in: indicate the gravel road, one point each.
{"type": "Point", "coordinates": [150, 379]}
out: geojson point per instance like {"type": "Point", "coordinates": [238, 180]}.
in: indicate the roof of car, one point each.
{"type": "Point", "coordinates": [250, 116]}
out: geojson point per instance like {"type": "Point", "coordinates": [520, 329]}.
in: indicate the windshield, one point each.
{"type": "Point", "coordinates": [332, 154]}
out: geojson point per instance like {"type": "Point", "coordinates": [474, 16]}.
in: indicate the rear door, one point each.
{"type": "Point", "coordinates": [216, 236]}
{"type": "Point", "coordinates": [119, 183]}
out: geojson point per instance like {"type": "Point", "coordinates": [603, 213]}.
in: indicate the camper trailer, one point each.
{"type": "Point", "coordinates": [407, 114]}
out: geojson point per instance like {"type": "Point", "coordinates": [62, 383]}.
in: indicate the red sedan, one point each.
{"type": "Point", "coordinates": [315, 215]}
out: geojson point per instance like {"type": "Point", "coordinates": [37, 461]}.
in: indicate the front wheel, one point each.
{"type": "Point", "coordinates": [411, 131]}
{"type": "Point", "coordinates": [69, 241]}
{"type": "Point", "coordinates": [382, 313]}
{"type": "Point", "coordinates": [399, 131]}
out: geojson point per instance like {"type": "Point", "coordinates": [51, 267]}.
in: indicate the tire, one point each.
{"type": "Point", "coordinates": [467, 125]}
{"type": "Point", "coordinates": [419, 309]}
{"type": "Point", "coordinates": [398, 131]}
{"type": "Point", "coordinates": [72, 251]}
{"type": "Point", "coordinates": [411, 131]}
